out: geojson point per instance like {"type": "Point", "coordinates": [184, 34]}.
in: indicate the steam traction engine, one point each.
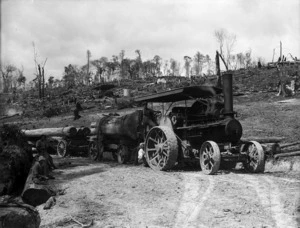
{"type": "Point", "coordinates": [195, 123]}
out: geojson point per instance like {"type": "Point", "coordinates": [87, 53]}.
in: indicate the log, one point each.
{"type": "Point", "coordinates": [83, 131]}
{"type": "Point", "coordinates": [289, 150]}
{"type": "Point", "coordinates": [295, 153]}
{"type": "Point", "coordinates": [18, 215]}
{"type": "Point", "coordinates": [271, 148]}
{"type": "Point", "coordinates": [289, 144]}
{"type": "Point", "coordinates": [264, 139]}
{"type": "Point", "coordinates": [37, 194]}
{"type": "Point", "coordinates": [62, 131]}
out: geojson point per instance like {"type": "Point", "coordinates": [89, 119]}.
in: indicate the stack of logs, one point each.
{"type": "Point", "coordinates": [273, 149]}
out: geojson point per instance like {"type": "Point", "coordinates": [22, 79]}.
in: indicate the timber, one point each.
{"type": "Point", "coordinates": [62, 131]}
{"type": "Point", "coordinates": [289, 144]}
{"type": "Point", "coordinates": [264, 139]}
{"type": "Point", "coordinates": [37, 194]}
{"type": "Point", "coordinates": [83, 131]}
{"type": "Point", "coordinates": [14, 214]}
{"type": "Point", "coordinates": [291, 154]}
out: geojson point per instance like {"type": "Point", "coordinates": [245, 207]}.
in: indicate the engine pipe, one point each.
{"type": "Point", "coordinates": [228, 95]}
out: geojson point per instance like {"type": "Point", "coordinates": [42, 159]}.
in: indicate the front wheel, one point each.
{"type": "Point", "coordinates": [210, 157]}
{"type": "Point", "coordinates": [255, 162]}
{"type": "Point", "coordinates": [62, 148]}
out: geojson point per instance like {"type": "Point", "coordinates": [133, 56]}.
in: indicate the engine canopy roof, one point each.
{"type": "Point", "coordinates": [180, 94]}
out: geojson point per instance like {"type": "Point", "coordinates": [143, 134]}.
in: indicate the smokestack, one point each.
{"type": "Point", "coordinates": [228, 95]}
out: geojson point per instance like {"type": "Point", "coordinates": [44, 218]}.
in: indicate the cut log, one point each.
{"type": "Point", "coordinates": [37, 194]}
{"type": "Point", "coordinates": [83, 131]}
{"type": "Point", "coordinates": [18, 215]}
{"type": "Point", "coordinates": [291, 154]}
{"type": "Point", "coordinates": [271, 148]}
{"type": "Point", "coordinates": [289, 150]}
{"type": "Point", "coordinates": [289, 144]}
{"type": "Point", "coordinates": [264, 139]}
{"type": "Point", "coordinates": [62, 131]}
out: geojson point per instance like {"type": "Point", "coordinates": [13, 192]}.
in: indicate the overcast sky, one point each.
{"type": "Point", "coordinates": [63, 30]}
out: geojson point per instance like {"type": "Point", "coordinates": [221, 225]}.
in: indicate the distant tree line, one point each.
{"type": "Point", "coordinates": [132, 68]}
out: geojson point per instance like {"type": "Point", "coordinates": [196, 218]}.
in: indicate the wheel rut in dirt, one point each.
{"type": "Point", "coordinates": [276, 195]}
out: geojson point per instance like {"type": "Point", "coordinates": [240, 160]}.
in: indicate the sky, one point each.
{"type": "Point", "coordinates": [63, 31]}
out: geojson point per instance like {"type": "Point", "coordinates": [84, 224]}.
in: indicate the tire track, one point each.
{"type": "Point", "coordinates": [192, 200]}
{"type": "Point", "coordinates": [270, 198]}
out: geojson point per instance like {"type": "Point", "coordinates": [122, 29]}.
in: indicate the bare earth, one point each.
{"type": "Point", "coordinates": [113, 195]}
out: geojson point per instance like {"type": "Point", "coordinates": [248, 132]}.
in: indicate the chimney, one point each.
{"type": "Point", "coordinates": [228, 95]}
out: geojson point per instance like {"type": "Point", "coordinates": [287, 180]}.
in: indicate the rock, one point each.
{"type": "Point", "coordinates": [50, 203]}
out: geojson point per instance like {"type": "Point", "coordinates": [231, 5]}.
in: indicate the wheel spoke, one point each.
{"type": "Point", "coordinates": [153, 140]}
{"type": "Point", "coordinates": [165, 153]}
{"type": "Point", "coordinates": [154, 158]}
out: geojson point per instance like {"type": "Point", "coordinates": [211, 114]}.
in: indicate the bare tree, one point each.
{"type": "Point", "coordinates": [88, 56]}
{"type": "Point", "coordinates": [199, 60]}
{"type": "Point", "coordinates": [139, 61]}
{"type": "Point", "coordinates": [157, 62]}
{"type": "Point", "coordinates": [7, 74]}
{"type": "Point", "coordinates": [121, 58]}
{"type": "Point", "coordinates": [220, 36]}
{"type": "Point", "coordinates": [229, 40]}
{"type": "Point", "coordinates": [166, 66]}
{"type": "Point", "coordinates": [40, 73]}
{"type": "Point", "coordinates": [21, 78]}
{"type": "Point", "coordinates": [187, 65]}
{"type": "Point", "coordinates": [248, 58]}
{"type": "Point", "coordinates": [230, 43]}
{"type": "Point", "coordinates": [173, 66]}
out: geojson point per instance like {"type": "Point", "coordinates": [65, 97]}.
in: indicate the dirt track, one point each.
{"type": "Point", "coordinates": [116, 195]}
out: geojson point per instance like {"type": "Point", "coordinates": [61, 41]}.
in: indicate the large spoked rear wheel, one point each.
{"type": "Point", "coordinates": [210, 157]}
{"type": "Point", "coordinates": [255, 158]}
{"type": "Point", "coordinates": [161, 148]}
{"type": "Point", "coordinates": [123, 154]}
{"type": "Point", "coordinates": [62, 148]}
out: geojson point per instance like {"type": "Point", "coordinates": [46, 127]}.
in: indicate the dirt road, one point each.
{"type": "Point", "coordinates": [114, 195]}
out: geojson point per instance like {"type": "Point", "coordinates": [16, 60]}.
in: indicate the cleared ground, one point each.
{"type": "Point", "coordinates": [114, 195]}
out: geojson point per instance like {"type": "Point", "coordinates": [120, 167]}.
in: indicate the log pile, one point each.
{"type": "Point", "coordinates": [273, 148]}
